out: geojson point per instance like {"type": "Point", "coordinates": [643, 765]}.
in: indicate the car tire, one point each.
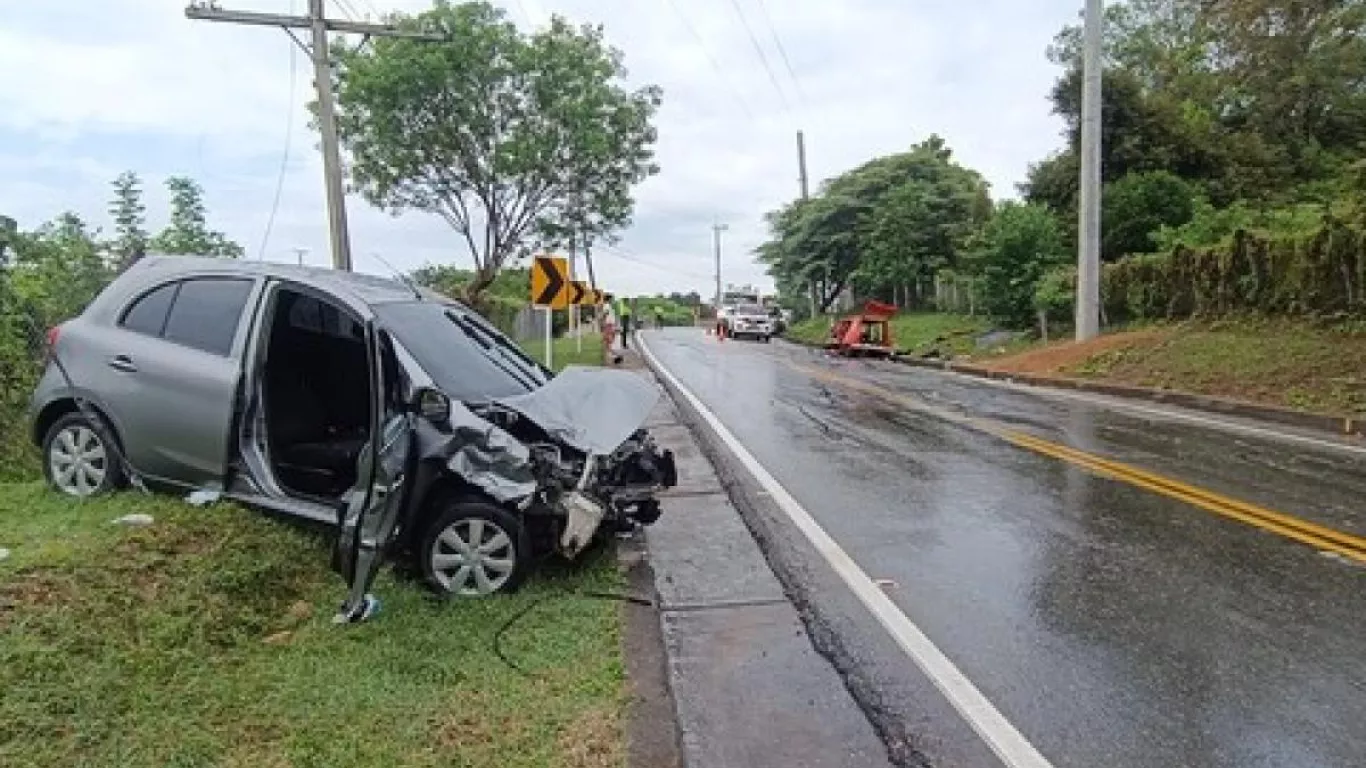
{"type": "Point", "coordinates": [76, 460]}
{"type": "Point", "coordinates": [475, 549]}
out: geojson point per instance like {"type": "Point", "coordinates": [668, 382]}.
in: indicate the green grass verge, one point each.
{"type": "Point", "coordinates": [916, 333]}
{"type": "Point", "coordinates": [206, 639]}
{"type": "Point", "coordinates": [567, 351]}
{"type": "Point", "coordinates": [1280, 362]}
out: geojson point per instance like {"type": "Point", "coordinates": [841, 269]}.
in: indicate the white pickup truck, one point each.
{"type": "Point", "coordinates": [747, 321]}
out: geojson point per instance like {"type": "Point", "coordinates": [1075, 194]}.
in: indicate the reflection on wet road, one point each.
{"type": "Point", "coordinates": [1127, 590]}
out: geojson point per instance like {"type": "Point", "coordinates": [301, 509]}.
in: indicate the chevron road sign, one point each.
{"type": "Point", "coordinates": [550, 282]}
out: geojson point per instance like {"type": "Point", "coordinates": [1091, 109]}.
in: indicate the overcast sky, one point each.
{"type": "Point", "coordinates": [136, 86]}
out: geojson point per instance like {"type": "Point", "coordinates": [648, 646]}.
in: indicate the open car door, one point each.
{"type": "Point", "coordinates": [369, 515]}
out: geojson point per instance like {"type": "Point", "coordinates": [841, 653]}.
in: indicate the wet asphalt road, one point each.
{"type": "Point", "coordinates": [1113, 626]}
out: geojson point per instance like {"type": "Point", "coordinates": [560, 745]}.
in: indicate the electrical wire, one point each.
{"type": "Point", "coordinates": [348, 10]}
{"type": "Point", "coordinates": [619, 253]}
{"type": "Point", "coordinates": [782, 50]}
{"type": "Point", "coordinates": [284, 154]}
{"type": "Point", "coordinates": [702, 45]}
{"type": "Point", "coordinates": [763, 58]}
{"type": "Point", "coordinates": [596, 556]}
{"type": "Point", "coordinates": [529, 607]}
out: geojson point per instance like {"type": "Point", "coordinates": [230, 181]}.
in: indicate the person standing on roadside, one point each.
{"type": "Point", "coordinates": [609, 328]}
{"type": "Point", "coordinates": [624, 313]}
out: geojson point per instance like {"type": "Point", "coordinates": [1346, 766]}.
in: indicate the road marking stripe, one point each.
{"type": "Point", "coordinates": [1292, 528]}
{"type": "Point", "coordinates": [1003, 738]}
{"type": "Point", "coordinates": [1289, 526]}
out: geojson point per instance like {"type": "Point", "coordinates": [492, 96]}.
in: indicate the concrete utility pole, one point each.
{"type": "Point", "coordinates": [806, 195]}
{"type": "Point", "coordinates": [716, 230]}
{"type": "Point", "coordinates": [1088, 241]}
{"type": "Point", "coordinates": [317, 22]}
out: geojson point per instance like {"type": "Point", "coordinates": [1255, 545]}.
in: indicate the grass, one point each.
{"type": "Point", "coordinates": [206, 639]}
{"type": "Point", "coordinates": [1288, 363]}
{"type": "Point", "coordinates": [915, 333]}
{"type": "Point", "coordinates": [566, 351]}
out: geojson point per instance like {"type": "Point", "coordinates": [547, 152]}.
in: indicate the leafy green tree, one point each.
{"type": "Point", "coordinates": [1139, 206]}
{"type": "Point", "coordinates": [892, 221]}
{"type": "Point", "coordinates": [188, 232]}
{"type": "Point", "coordinates": [517, 141]}
{"type": "Point", "coordinates": [130, 220]}
{"type": "Point", "coordinates": [1017, 248]}
{"type": "Point", "coordinates": [59, 269]}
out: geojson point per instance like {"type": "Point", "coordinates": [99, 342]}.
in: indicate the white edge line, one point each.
{"type": "Point", "coordinates": [1003, 738]}
{"type": "Point", "coordinates": [1173, 412]}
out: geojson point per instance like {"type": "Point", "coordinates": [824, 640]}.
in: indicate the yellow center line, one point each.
{"type": "Point", "coordinates": [1297, 529]}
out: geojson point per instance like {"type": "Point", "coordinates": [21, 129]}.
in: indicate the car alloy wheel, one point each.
{"type": "Point", "coordinates": [474, 550]}
{"type": "Point", "coordinates": [76, 460]}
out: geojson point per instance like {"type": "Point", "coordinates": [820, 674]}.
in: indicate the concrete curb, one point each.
{"type": "Point", "coordinates": [1336, 425]}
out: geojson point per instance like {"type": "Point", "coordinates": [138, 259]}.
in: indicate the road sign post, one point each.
{"type": "Point", "coordinates": [550, 291]}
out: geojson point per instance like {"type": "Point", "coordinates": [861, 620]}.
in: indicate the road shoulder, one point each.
{"type": "Point", "coordinates": [749, 687]}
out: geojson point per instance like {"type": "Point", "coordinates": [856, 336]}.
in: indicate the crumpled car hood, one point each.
{"type": "Point", "coordinates": [592, 409]}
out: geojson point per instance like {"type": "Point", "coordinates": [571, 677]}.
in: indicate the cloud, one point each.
{"type": "Point", "coordinates": [138, 86]}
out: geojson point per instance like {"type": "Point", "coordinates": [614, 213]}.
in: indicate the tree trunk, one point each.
{"type": "Point", "coordinates": [474, 290]}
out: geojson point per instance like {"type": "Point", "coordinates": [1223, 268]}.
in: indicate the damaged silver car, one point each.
{"type": "Point", "coordinates": [395, 414]}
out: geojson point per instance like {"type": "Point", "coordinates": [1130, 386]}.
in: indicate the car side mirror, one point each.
{"type": "Point", "coordinates": [432, 405]}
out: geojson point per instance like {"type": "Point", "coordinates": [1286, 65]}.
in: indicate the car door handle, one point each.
{"type": "Point", "coordinates": [122, 363]}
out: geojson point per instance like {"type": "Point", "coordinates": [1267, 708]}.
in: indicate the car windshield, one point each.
{"type": "Point", "coordinates": [465, 356]}
{"type": "Point", "coordinates": [750, 309]}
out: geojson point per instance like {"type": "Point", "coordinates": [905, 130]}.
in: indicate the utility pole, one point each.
{"type": "Point", "coordinates": [299, 254]}
{"type": "Point", "coordinates": [806, 195]}
{"type": "Point", "coordinates": [317, 22]}
{"type": "Point", "coordinates": [716, 230]}
{"type": "Point", "coordinates": [1088, 241]}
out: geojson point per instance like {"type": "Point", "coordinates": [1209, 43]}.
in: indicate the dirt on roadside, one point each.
{"type": "Point", "coordinates": [1063, 357]}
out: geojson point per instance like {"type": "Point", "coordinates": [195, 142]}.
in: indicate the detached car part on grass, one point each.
{"type": "Point", "coordinates": [264, 383]}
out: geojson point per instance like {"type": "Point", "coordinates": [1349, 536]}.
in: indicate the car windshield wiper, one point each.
{"type": "Point", "coordinates": [487, 344]}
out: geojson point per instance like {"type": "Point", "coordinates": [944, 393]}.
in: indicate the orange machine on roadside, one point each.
{"type": "Point", "coordinates": [868, 333]}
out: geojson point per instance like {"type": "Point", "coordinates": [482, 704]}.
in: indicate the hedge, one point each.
{"type": "Point", "coordinates": [1320, 274]}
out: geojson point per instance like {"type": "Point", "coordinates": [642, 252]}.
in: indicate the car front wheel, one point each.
{"type": "Point", "coordinates": [76, 460]}
{"type": "Point", "coordinates": [474, 549]}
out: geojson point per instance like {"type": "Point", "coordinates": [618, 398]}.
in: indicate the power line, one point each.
{"type": "Point", "coordinates": [702, 44]}
{"type": "Point", "coordinates": [348, 10]}
{"type": "Point", "coordinates": [627, 256]}
{"type": "Point", "coordinates": [782, 51]}
{"type": "Point", "coordinates": [763, 58]}
{"type": "Point", "coordinates": [284, 154]}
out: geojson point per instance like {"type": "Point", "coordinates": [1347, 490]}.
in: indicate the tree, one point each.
{"type": "Point", "coordinates": [890, 222]}
{"type": "Point", "coordinates": [1137, 207]}
{"type": "Point", "coordinates": [129, 214]}
{"type": "Point", "coordinates": [518, 142]}
{"type": "Point", "coordinates": [188, 232]}
{"type": "Point", "coordinates": [9, 236]}
{"type": "Point", "coordinates": [1017, 248]}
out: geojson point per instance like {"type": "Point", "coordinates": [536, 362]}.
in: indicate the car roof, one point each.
{"type": "Point", "coordinates": [368, 289]}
